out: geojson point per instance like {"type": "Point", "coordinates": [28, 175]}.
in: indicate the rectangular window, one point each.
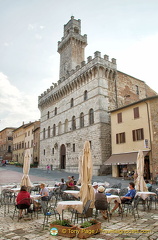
{"type": "Point", "coordinates": [10, 138]}
{"type": "Point", "coordinates": [53, 151]}
{"type": "Point", "coordinates": [119, 117]}
{"type": "Point", "coordinates": [138, 134]}
{"type": "Point", "coordinates": [120, 138]}
{"type": "Point", "coordinates": [73, 147]}
{"type": "Point", "coordinates": [136, 112]}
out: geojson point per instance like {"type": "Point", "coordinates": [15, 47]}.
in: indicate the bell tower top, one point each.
{"type": "Point", "coordinates": [72, 26]}
{"type": "Point", "coordinates": [71, 47]}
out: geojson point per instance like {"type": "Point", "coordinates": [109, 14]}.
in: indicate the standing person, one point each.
{"type": "Point", "coordinates": [23, 200]}
{"type": "Point", "coordinates": [101, 201]}
{"type": "Point", "coordinates": [125, 199]}
{"type": "Point", "coordinates": [48, 168]}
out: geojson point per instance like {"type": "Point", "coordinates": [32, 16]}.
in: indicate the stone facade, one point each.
{"type": "Point", "coordinates": [76, 108]}
{"type": "Point", "coordinates": [6, 143]}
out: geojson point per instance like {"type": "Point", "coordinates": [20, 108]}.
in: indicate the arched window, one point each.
{"type": "Point", "coordinates": [44, 133]}
{"type": "Point", "coordinates": [73, 123]}
{"type": "Point", "coordinates": [49, 132]}
{"type": "Point", "coordinates": [47, 114]}
{"type": "Point", "coordinates": [91, 116]}
{"type": "Point", "coordinates": [85, 95]}
{"type": "Point", "coordinates": [82, 120]}
{"type": "Point", "coordinates": [66, 126]}
{"type": "Point", "coordinates": [59, 128]}
{"type": "Point", "coordinates": [55, 111]}
{"type": "Point", "coordinates": [72, 102]}
{"type": "Point", "coordinates": [54, 130]}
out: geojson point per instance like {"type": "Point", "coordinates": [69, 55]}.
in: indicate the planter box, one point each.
{"type": "Point", "coordinates": [85, 233]}
{"type": "Point", "coordinates": [65, 231]}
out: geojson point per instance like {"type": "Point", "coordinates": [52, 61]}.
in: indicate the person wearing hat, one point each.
{"type": "Point", "coordinates": [95, 186]}
{"type": "Point", "coordinates": [101, 201]}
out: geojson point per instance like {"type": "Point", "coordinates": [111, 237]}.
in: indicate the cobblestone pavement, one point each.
{"type": "Point", "coordinates": [27, 229]}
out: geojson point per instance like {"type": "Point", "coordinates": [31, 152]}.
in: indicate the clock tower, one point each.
{"type": "Point", "coordinates": [71, 47]}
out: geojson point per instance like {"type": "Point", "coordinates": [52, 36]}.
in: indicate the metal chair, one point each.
{"type": "Point", "coordinates": [82, 215]}
{"type": "Point", "coordinates": [49, 211]}
{"type": "Point", "coordinates": [24, 204]}
{"type": "Point", "coordinates": [123, 192]}
{"type": "Point", "coordinates": [7, 199]}
{"type": "Point", "coordinates": [131, 206]}
{"type": "Point", "coordinates": [115, 186]}
{"type": "Point", "coordinates": [102, 205]}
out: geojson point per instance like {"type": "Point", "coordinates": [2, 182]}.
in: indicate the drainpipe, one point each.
{"type": "Point", "coordinates": [150, 137]}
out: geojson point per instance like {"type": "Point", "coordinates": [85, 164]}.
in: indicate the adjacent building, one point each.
{"type": "Point", "coordinates": [6, 143]}
{"type": "Point", "coordinates": [76, 108]}
{"type": "Point", "coordinates": [24, 138]}
{"type": "Point", "coordinates": [134, 127]}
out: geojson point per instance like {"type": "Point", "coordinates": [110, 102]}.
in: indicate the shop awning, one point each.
{"type": "Point", "coordinates": [124, 158]}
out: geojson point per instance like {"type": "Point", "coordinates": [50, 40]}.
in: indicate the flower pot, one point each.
{"type": "Point", "coordinates": [65, 231]}
{"type": "Point", "coordinates": [85, 233]}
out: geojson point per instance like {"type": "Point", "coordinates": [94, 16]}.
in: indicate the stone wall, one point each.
{"type": "Point", "coordinates": [154, 130]}
{"type": "Point", "coordinates": [130, 89]}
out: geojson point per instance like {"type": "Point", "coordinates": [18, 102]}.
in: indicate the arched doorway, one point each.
{"type": "Point", "coordinates": [62, 156]}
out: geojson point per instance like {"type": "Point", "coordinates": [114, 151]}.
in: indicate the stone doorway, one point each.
{"type": "Point", "coordinates": [62, 156]}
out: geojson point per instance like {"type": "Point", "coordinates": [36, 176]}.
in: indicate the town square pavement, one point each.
{"type": "Point", "coordinates": [145, 227]}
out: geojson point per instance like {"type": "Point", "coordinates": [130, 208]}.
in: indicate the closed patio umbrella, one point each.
{"type": "Point", "coordinates": [26, 168]}
{"type": "Point", "coordinates": [86, 191]}
{"type": "Point", "coordinates": [140, 183]}
{"type": "Point", "coordinates": [80, 170]}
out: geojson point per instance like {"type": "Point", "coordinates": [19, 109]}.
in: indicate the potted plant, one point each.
{"type": "Point", "coordinates": [64, 228]}
{"type": "Point", "coordinates": [88, 228]}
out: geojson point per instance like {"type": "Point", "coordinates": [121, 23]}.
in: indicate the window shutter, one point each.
{"type": "Point", "coordinates": [142, 133]}
{"type": "Point", "coordinates": [117, 139]}
{"type": "Point", "coordinates": [119, 117]}
{"type": "Point", "coordinates": [133, 133]}
{"type": "Point", "coordinates": [136, 112]}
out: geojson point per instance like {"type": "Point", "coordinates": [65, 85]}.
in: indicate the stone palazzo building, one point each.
{"type": "Point", "coordinates": [76, 108]}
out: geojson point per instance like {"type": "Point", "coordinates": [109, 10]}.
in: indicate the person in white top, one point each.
{"type": "Point", "coordinates": [95, 187]}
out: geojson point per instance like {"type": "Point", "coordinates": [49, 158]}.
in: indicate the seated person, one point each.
{"type": "Point", "coordinates": [23, 200]}
{"type": "Point", "coordinates": [149, 186]}
{"type": "Point", "coordinates": [101, 201]}
{"type": "Point", "coordinates": [73, 178]}
{"type": "Point", "coordinates": [95, 187]}
{"type": "Point", "coordinates": [44, 192]}
{"type": "Point", "coordinates": [126, 199]}
{"type": "Point", "coordinates": [70, 184]}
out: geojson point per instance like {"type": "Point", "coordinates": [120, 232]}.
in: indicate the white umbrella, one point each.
{"type": "Point", "coordinates": [26, 168]}
{"type": "Point", "coordinates": [140, 183]}
{"type": "Point", "coordinates": [86, 191]}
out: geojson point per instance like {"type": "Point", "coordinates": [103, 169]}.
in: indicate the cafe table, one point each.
{"type": "Point", "coordinates": [72, 192]}
{"type": "Point", "coordinates": [145, 195]}
{"type": "Point", "coordinates": [113, 197]}
{"type": "Point", "coordinates": [7, 186]}
{"type": "Point", "coordinates": [63, 205]}
{"type": "Point", "coordinates": [15, 190]}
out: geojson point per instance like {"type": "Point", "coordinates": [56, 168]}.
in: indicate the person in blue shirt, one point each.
{"type": "Point", "coordinates": [125, 199]}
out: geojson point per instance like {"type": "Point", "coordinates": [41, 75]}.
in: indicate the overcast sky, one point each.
{"type": "Point", "coordinates": [30, 29]}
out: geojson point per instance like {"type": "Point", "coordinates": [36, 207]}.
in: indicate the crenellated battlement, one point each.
{"type": "Point", "coordinates": [85, 69]}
